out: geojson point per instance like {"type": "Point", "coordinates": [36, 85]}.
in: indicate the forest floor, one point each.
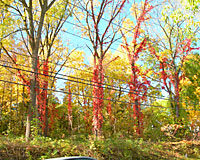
{"type": "Point", "coordinates": [114, 149]}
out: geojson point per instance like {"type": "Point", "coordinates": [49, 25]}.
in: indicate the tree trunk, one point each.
{"type": "Point", "coordinates": [137, 115]}
{"type": "Point", "coordinates": [69, 111]}
{"type": "Point", "coordinates": [33, 96]}
{"type": "Point", "coordinates": [177, 96]}
{"type": "Point", "coordinates": [100, 95]}
{"type": "Point", "coordinates": [28, 124]}
{"type": "Point", "coordinates": [46, 122]}
{"type": "Point", "coordinates": [95, 99]}
{"type": "Point", "coordinates": [98, 79]}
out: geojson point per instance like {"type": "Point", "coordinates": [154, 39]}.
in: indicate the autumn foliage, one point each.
{"type": "Point", "coordinates": [138, 88]}
{"type": "Point", "coordinates": [170, 73]}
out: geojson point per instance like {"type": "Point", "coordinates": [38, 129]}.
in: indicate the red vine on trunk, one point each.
{"type": "Point", "coordinates": [138, 87]}
{"type": "Point", "coordinates": [170, 73]}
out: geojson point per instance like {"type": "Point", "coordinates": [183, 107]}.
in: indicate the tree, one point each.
{"type": "Point", "coordinates": [138, 84]}
{"type": "Point", "coordinates": [14, 100]}
{"type": "Point", "coordinates": [190, 92]}
{"type": "Point", "coordinates": [175, 40]}
{"type": "Point", "coordinates": [34, 26]}
{"type": "Point", "coordinates": [102, 35]}
{"type": "Point", "coordinates": [54, 22]}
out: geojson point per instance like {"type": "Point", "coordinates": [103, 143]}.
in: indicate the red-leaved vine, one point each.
{"type": "Point", "coordinates": [101, 42]}
{"type": "Point", "coordinates": [53, 114]}
{"type": "Point", "coordinates": [19, 73]}
{"type": "Point", "coordinates": [170, 71]}
{"type": "Point", "coordinates": [86, 114]}
{"type": "Point", "coordinates": [138, 84]}
{"type": "Point", "coordinates": [98, 79]}
{"type": "Point", "coordinates": [41, 89]}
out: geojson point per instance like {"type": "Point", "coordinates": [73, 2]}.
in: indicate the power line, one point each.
{"type": "Point", "coordinates": [67, 79]}
{"type": "Point", "coordinates": [64, 75]}
{"type": "Point", "coordinates": [72, 67]}
{"type": "Point", "coordinates": [121, 89]}
{"type": "Point", "coordinates": [65, 65]}
{"type": "Point", "coordinates": [59, 74]}
{"type": "Point", "coordinates": [91, 72]}
{"type": "Point", "coordinates": [65, 92]}
{"type": "Point", "coordinates": [82, 95]}
{"type": "Point", "coordinates": [73, 80]}
{"type": "Point", "coordinates": [111, 87]}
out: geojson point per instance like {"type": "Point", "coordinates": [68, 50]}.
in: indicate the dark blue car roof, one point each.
{"type": "Point", "coordinates": [72, 158]}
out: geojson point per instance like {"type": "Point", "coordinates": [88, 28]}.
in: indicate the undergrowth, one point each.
{"type": "Point", "coordinates": [102, 149]}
